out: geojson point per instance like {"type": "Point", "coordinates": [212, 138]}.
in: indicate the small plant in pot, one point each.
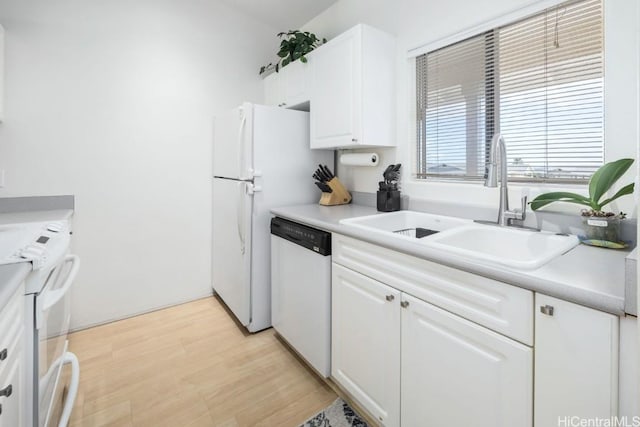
{"type": "Point", "coordinates": [599, 225]}
{"type": "Point", "coordinates": [294, 45]}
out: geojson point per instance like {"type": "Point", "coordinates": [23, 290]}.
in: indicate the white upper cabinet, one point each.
{"type": "Point", "coordinates": [349, 86]}
{"type": "Point", "coordinates": [296, 78]}
{"type": "Point", "coordinates": [336, 93]}
{"type": "Point", "coordinates": [288, 88]}
{"type": "Point", "coordinates": [352, 90]}
{"type": "Point", "coordinates": [576, 362]}
{"type": "Point", "coordinates": [272, 89]}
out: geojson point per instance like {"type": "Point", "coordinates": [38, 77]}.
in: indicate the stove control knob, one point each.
{"type": "Point", "coordinates": [54, 227]}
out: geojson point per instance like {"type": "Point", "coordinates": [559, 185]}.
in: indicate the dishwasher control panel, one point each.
{"type": "Point", "coordinates": [311, 238]}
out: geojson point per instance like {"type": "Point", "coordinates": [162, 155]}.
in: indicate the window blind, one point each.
{"type": "Point", "coordinates": [538, 81]}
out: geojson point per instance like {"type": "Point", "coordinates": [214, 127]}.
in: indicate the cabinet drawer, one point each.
{"type": "Point", "coordinates": [498, 306]}
{"type": "Point", "coordinates": [12, 352]}
{"type": "Point", "coordinates": [11, 320]}
{"type": "Point", "coordinates": [12, 406]}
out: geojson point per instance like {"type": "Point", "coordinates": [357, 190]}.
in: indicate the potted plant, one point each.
{"type": "Point", "coordinates": [599, 225]}
{"type": "Point", "coordinates": [294, 45]}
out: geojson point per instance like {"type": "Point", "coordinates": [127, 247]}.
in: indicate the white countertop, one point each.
{"type": "Point", "coordinates": [590, 276]}
{"type": "Point", "coordinates": [35, 216]}
{"type": "Point", "coordinates": [11, 275]}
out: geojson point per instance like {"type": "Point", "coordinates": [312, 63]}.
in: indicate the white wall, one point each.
{"type": "Point", "coordinates": [113, 101]}
{"type": "Point", "coordinates": [419, 22]}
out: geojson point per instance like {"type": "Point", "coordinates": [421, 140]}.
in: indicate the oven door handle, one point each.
{"type": "Point", "coordinates": [70, 359]}
{"type": "Point", "coordinates": [51, 298]}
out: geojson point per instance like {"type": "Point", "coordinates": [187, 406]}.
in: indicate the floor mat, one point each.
{"type": "Point", "coordinates": [338, 414]}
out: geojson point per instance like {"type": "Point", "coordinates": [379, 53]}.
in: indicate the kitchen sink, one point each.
{"type": "Point", "coordinates": [511, 247]}
{"type": "Point", "coordinates": [406, 224]}
{"type": "Point", "coordinates": [508, 246]}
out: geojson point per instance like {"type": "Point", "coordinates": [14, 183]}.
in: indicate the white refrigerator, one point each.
{"type": "Point", "coordinates": [261, 160]}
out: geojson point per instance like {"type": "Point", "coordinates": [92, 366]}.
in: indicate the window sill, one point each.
{"type": "Point", "coordinates": [474, 193]}
{"type": "Point", "coordinates": [520, 184]}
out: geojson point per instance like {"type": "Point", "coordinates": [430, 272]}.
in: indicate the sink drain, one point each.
{"type": "Point", "coordinates": [416, 233]}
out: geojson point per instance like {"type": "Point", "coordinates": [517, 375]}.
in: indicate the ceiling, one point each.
{"type": "Point", "coordinates": [282, 14]}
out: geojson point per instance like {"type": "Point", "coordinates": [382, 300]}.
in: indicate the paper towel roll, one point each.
{"type": "Point", "coordinates": [359, 159]}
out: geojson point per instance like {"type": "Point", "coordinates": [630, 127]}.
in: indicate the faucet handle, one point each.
{"type": "Point", "coordinates": [521, 213]}
{"type": "Point", "coordinates": [518, 214]}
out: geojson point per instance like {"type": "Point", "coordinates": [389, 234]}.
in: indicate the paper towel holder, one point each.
{"type": "Point", "coordinates": [359, 159]}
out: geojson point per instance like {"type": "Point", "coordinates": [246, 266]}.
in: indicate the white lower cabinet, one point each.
{"type": "Point", "coordinates": [12, 376]}
{"type": "Point", "coordinates": [457, 373]}
{"type": "Point", "coordinates": [11, 404]}
{"type": "Point", "coordinates": [430, 346]}
{"type": "Point", "coordinates": [365, 351]}
{"type": "Point", "coordinates": [576, 362]}
{"type": "Point", "coordinates": [410, 363]}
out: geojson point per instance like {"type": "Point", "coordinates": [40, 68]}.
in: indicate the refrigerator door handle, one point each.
{"type": "Point", "coordinates": [241, 151]}
{"type": "Point", "coordinates": [240, 195]}
{"type": "Point", "coordinates": [253, 188]}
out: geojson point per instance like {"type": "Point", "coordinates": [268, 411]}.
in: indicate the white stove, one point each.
{"type": "Point", "coordinates": [33, 242]}
{"type": "Point", "coordinates": [47, 312]}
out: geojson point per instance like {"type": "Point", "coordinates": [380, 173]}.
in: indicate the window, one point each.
{"type": "Point", "coordinates": [538, 81]}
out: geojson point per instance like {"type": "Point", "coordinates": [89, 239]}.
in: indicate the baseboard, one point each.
{"type": "Point", "coordinates": [140, 313]}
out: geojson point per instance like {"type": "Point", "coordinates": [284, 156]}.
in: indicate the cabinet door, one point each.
{"type": "Point", "coordinates": [296, 88]}
{"type": "Point", "coordinates": [457, 373]}
{"type": "Point", "coordinates": [366, 342]}
{"type": "Point", "coordinates": [272, 89]}
{"type": "Point", "coordinates": [576, 362]}
{"type": "Point", "coordinates": [335, 110]}
{"type": "Point", "coordinates": [289, 87]}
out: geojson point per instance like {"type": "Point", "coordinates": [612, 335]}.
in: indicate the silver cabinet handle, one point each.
{"type": "Point", "coordinates": [354, 139]}
{"type": "Point", "coordinates": [6, 391]}
{"type": "Point", "coordinates": [3, 354]}
{"type": "Point", "coordinates": [390, 297]}
{"type": "Point", "coordinates": [404, 304]}
{"type": "Point", "coordinates": [546, 309]}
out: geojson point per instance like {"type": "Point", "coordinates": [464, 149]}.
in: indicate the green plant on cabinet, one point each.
{"type": "Point", "coordinates": [294, 45]}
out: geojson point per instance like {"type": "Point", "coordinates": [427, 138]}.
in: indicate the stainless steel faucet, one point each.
{"type": "Point", "coordinates": [505, 216]}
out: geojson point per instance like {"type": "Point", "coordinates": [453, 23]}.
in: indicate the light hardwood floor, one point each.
{"type": "Point", "coordinates": [191, 365]}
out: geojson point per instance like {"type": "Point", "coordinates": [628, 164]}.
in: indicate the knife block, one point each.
{"type": "Point", "coordinates": [338, 196]}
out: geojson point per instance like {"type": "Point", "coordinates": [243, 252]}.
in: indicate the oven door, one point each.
{"type": "Point", "coordinates": [52, 317]}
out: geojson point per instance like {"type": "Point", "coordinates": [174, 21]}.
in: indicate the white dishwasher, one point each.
{"type": "Point", "coordinates": [301, 290]}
